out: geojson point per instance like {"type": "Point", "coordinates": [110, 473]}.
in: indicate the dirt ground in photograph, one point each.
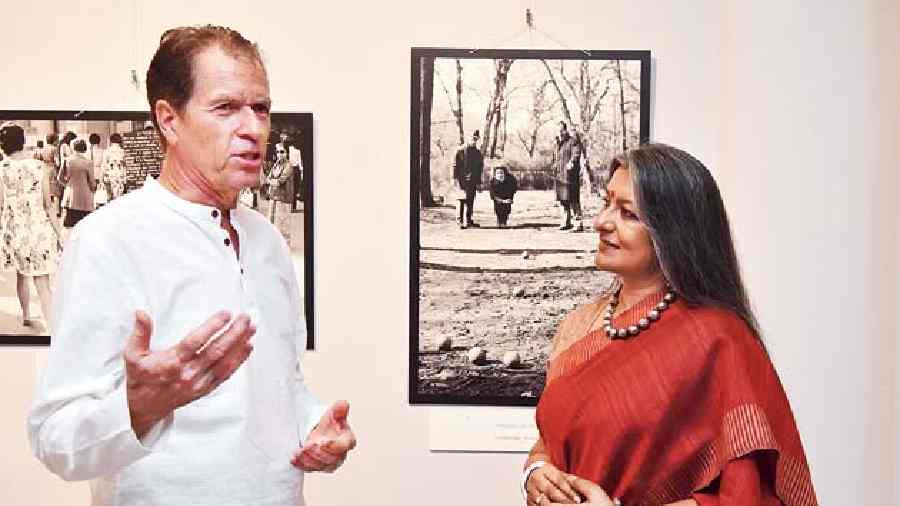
{"type": "Point", "coordinates": [502, 290]}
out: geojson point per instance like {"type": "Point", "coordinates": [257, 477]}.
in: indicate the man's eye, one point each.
{"type": "Point", "coordinates": [261, 108]}
{"type": "Point", "coordinates": [628, 214]}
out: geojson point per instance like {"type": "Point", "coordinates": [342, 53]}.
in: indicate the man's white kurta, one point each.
{"type": "Point", "coordinates": [154, 251]}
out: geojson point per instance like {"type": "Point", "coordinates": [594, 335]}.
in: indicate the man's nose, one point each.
{"type": "Point", "coordinates": [251, 124]}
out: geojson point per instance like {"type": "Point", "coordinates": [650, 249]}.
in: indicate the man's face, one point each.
{"type": "Point", "coordinates": [474, 140]}
{"type": "Point", "coordinates": [283, 137]}
{"type": "Point", "coordinates": [563, 131]}
{"type": "Point", "coordinates": [220, 137]}
{"type": "Point", "coordinates": [499, 175]}
{"type": "Point", "coordinates": [281, 152]}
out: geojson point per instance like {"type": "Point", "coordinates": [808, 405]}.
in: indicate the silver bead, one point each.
{"type": "Point", "coordinates": [633, 330]}
{"type": "Point", "coordinates": [662, 306]}
{"type": "Point", "coordinates": [653, 315]}
{"type": "Point", "coordinates": [622, 333]}
{"type": "Point", "coordinates": [643, 323]}
{"type": "Point", "coordinates": [611, 332]}
{"type": "Point", "coordinates": [669, 297]}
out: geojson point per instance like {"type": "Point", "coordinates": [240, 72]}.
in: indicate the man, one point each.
{"type": "Point", "coordinates": [467, 167]}
{"type": "Point", "coordinates": [568, 179]}
{"type": "Point", "coordinates": [154, 389]}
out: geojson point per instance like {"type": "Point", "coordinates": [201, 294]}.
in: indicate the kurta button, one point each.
{"type": "Point", "coordinates": [227, 242]}
{"type": "Point", "coordinates": [242, 271]}
{"type": "Point", "coordinates": [215, 213]}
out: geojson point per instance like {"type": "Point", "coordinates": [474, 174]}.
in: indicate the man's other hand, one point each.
{"type": "Point", "coordinates": [327, 446]}
{"type": "Point", "coordinates": [157, 382]}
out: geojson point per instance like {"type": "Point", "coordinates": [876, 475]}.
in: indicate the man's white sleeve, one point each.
{"type": "Point", "coordinates": [79, 425]}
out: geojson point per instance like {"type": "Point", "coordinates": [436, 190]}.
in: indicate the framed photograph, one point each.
{"type": "Point", "coordinates": [131, 146]}
{"type": "Point", "coordinates": [509, 153]}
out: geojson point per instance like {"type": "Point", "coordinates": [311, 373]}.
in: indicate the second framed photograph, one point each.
{"type": "Point", "coordinates": [122, 149]}
{"type": "Point", "coordinates": [509, 152]}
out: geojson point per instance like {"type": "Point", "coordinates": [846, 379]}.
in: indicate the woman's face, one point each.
{"type": "Point", "coordinates": [625, 247]}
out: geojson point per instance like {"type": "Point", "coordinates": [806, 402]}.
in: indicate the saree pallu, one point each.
{"type": "Point", "coordinates": [659, 417]}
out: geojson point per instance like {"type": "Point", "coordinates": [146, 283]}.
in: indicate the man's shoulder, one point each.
{"type": "Point", "coordinates": [120, 214]}
{"type": "Point", "coordinates": [257, 224]}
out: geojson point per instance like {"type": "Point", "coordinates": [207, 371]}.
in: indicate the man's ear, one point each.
{"type": "Point", "coordinates": [167, 119]}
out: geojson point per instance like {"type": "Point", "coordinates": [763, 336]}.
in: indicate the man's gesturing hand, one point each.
{"type": "Point", "coordinates": [328, 444]}
{"type": "Point", "coordinates": [157, 382]}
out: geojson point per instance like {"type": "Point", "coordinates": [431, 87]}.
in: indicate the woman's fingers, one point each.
{"type": "Point", "coordinates": [564, 489]}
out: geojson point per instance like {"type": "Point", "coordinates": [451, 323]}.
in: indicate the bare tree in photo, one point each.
{"type": "Point", "coordinates": [426, 99]}
{"type": "Point", "coordinates": [495, 105]}
{"type": "Point", "coordinates": [588, 89]}
{"type": "Point", "coordinates": [456, 109]}
{"type": "Point", "coordinates": [622, 105]}
{"type": "Point", "coordinates": [540, 106]}
{"type": "Point", "coordinates": [459, 108]}
{"type": "Point", "coordinates": [562, 97]}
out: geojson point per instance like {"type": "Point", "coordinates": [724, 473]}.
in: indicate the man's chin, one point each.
{"type": "Point", "coordinates": [243, 179]}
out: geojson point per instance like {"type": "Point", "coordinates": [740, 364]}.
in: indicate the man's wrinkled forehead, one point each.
{"type": "Point", "coordinates": [218, 64]}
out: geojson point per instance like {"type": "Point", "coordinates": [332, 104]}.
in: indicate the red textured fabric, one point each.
{"type": "Point", "coordinates": [658, 417]}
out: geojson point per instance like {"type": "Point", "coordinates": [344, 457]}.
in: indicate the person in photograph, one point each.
{"type": "Point", "coordinates": [63, 154]}
{"type": "Point", "coordinates": [567, 179]}
{"type": "Point", "coordinates": [154, 390]}
{"type": "Point", "coordinates": [50, 156]}
{"type": "Point", "coordinates": [30, 238]}
{"type": "Point", "coordinates": [79, 179]}
{"type": "Point", "coordinates": [503, 188]}
{"type": "Point", "coordinates": [468, 165]}
{"type": "Point", "coordinates": [280, 182]}
{"type": "Point", "coordinates": [95, 154]}
{"type": "Point", "coordinates": [295, 157]}
{"type": "Point", "coordinates": [113, 168]}
{"type": "Point", "coordinates": [661, 391]}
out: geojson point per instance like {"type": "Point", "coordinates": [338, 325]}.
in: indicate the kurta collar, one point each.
{"type": "Point", "coordinates": [193, 210]}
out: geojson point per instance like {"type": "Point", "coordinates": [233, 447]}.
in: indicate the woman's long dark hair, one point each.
{"type": "Point", "coordinates": [682, 208]}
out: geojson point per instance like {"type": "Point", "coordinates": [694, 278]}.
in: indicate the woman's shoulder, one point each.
{"type": "Point", "coordinates": [578, 323]}
{"type": "Point", "coordinates": [714, 327]}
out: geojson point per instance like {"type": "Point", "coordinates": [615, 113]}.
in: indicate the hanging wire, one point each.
{"type": "Point", "coordinates": [531, 29]}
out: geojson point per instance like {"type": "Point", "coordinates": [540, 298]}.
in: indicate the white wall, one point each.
{"type": "Point", "coordinates": [784, 101]}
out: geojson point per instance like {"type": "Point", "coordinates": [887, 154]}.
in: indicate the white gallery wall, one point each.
{"type": "Point", "coordinates": [792, 105]}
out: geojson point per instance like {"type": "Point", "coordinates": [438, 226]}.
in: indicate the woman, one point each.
{"type": "Point", "coordinates": [95, 154]}
{"type": "Point", "coordinates": [30, 237]}
{"type": "Point", "coordinates": [82, 185]}
{"type": "Point", "coordinates": [503, 188]}
{"type": "Point", "coordinates": [64, 153]}
{"type": "Point", "coordinates": [113, 168]}
{"type": "Point", "coordinates": [281, 188]}
{"type": "Point", "coordinates": [50, 157]}
{"type": "Point", "coordinates": [661, 392]}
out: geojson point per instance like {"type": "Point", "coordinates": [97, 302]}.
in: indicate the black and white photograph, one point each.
{"type": "Point", "coordinates": [79, 161]}
{"type": "Point", "coordinates": [509, 154]}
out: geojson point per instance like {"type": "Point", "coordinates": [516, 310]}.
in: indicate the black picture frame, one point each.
{"type": "Point", "coordinates": [424, 392]}
{"type": "Point", "coordinates": [299, 128]}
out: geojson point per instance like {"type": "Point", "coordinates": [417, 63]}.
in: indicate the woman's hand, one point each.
{"type": "Point", "coordinates": [549, 485]}
{"type": "Point", "coordinates": [592, 493]}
